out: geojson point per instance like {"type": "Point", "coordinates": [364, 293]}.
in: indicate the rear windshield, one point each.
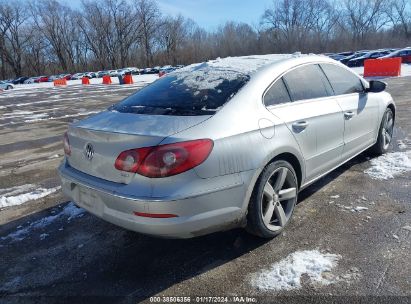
{"type": "Point", "coordinates": [173, 95]}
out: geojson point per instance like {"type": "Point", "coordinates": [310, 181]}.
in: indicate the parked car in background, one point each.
{"type": "Point", "coordinates": [404, 54]}
{"type": "Point", "coordinates": [54, 77]}
{"type": "Point", "coordinates": [345, 54]}
{"type": "Point", "coordinates": [31, 80]}
{"type": "Point", "coordinates": [113, 73]}
{"type": "Point", "coordinates": [77, 76]}
{"type": "Point", "coordinates": [121, 72]}
{"type": "Point", "coordinates": [152, 163]}
{"type": "Point", "coordinates": [359, 61]}
{"type": "Point", "coordinates": [165, 67]}
{"type": "Point", "coordinates": [133, 70]}
{"type": "Point", "coordinates": [20, 80]}
{"type": "Point", "coordinates": [165, 70]}
{"type": "Point", "coordinates": [149, 71]}
{"type": "Point", "coordinates": [100, 74]}
{"type": "Point", "coordinates": [337, 57]}
{"type": "Point", "coordinates": [41, 79]}
{"type": "Point", "coordinates": [353, 56]}
{"type": "Point", "coordinates": [6, 85]}
{"type": "Point", "coordinates": [90, 75]}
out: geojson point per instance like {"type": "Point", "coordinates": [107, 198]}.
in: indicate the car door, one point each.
{"type": "Point", "coordinates": [406, 57]}
{"type": "Point", "coordinates": [360, 110]}
{"type": "Point", "coordinates": [313, 117]}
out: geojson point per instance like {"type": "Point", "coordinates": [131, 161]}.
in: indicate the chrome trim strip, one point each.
{"type": "Point", "coordinates": [144, 199]}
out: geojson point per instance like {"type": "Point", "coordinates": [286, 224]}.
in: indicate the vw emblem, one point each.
{"type": "Point", "coordinates": [89, 151]}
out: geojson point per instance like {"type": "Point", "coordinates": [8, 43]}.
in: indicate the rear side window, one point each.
{"type": "Point", "coordinates": [172, 95]}
{"type": "Point", "coordinates": [307, 82]}
{"type": "Point", "coordinates": [277, 94]}
{"type": "Point", "coordinates": [342, 81]}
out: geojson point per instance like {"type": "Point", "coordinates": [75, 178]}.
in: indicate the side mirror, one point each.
{"type": "Point", "coordinates": [376, 86]}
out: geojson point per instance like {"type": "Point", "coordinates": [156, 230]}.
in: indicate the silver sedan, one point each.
{"type": "Point", "coordinates": [222, 144]}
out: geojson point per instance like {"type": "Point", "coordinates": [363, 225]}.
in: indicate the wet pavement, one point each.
{"type": "Point", "coordinates": [63, 254]}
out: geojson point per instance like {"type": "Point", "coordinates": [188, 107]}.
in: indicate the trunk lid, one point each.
{"type": "Point", "coordinates": [97, 141]}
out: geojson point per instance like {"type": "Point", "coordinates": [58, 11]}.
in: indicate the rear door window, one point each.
{"type": "Point", "coordinates": [307, 82]}
{"type": "Point", "coordinates": [342, 81]}
{"type": "Point", "coordinates": [277, 94]}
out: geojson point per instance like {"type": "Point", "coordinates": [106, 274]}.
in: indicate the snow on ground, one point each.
{"type": "Point", "coordinates": [389, 165]}
{"type": "Point", "coordinates": [404, 143]}
{"type": "Point", "coordinates": [21, 194]}
{"type": "Point", "coordinates": [68, 213]}
{"type": "Point", "coordinates": [136, 78]}
{"type": "Point", "coordinates": [286, 274]}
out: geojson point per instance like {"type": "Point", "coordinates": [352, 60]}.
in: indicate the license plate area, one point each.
{"type": "Point", "coordinates": [88, 200]}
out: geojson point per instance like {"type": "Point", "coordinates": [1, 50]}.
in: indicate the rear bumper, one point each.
{"type": "Point", "coordinates": [196, 214]}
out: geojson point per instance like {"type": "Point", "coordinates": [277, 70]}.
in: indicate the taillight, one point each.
{"type": "Point", "coordinates": [66, 144]}
{"type": "Point", "coordinates": [130, 160]}
{"type": "Point", "coordinates": [165, 160]}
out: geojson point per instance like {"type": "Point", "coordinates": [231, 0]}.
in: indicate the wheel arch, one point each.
{"type": "Point", "coordinates": [391, 106]}
{"type": "Point", "coordinates": [294, 162]}
{"type": "Point", "coordinates": [292, 158]}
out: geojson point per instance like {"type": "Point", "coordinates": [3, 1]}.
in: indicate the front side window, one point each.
{"type": "Point", "coordinates": [277, 94]}
{"type": "Point", "coordinates": [342, 81]}
{"type": "Point", "coordinates": [307, 82]}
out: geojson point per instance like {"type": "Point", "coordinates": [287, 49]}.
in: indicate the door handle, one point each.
{"type": "Point", "coordinates": [300, 126]}
{"type": "Point", "coordinates": [349, 115]}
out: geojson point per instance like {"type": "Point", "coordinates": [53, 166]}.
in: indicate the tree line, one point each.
{"type": "Point", "coordinates": [47, 36]}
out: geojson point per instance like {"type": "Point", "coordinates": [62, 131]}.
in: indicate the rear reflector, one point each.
{"type": "Point", "coordinates": [155, 215]}
{"type": "Point", "coordinates": [165, 160]}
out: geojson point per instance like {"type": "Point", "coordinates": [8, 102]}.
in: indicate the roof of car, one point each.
{"type": "Point", "coordinates": [208, 75]}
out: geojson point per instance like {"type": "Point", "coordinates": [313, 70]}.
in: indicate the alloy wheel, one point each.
{"type": "Point", "coordinates": [387, 129]}
{"type": "Point", "coordinates": [278, 199]}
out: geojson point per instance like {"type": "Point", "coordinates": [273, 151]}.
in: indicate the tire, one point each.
{"type": "Point", "coordinates": [9, 87]}
{"type": "Point", "coordinates": [384, 133]}
{"type": "Point", "coordinates": [270, 208]}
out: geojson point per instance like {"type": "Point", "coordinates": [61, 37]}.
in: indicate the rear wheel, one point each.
{"type": "Point", "coordinates": [9, 87]}
{"type": "Point", "coordinates": [385, 133]}
{"type": "Point", "coordinates": [273, 200]}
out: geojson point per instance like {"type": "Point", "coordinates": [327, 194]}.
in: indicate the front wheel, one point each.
{"type": "Point", "coordinates": [9, 87]}
{"type": "Point", "coordinates": [385, 133]}
{"type": "Point", "coordinates": [273, 200]}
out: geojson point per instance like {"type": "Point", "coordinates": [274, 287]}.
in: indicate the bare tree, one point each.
{"type": "Point", "coordinates": [363, 17]}
{"type": "Point", "coordinates": [149, 17]}
{"type": "Point", "coordinates": [291, 21]}
{"type": "Point", "coordinates": [110, 28]}
{"type": "Point", "coordinates": [15, 34]}
{"type": "Point", "coordinates": [56, 21]}
{"type": "Point", "coordinates": [47, 36]}
{"type": "Point", "coordinates": [36, 58]}
{"type": "Point", "coordinates": [400, 15]}
{"type": "Point", "coordinates": [173, 34]}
